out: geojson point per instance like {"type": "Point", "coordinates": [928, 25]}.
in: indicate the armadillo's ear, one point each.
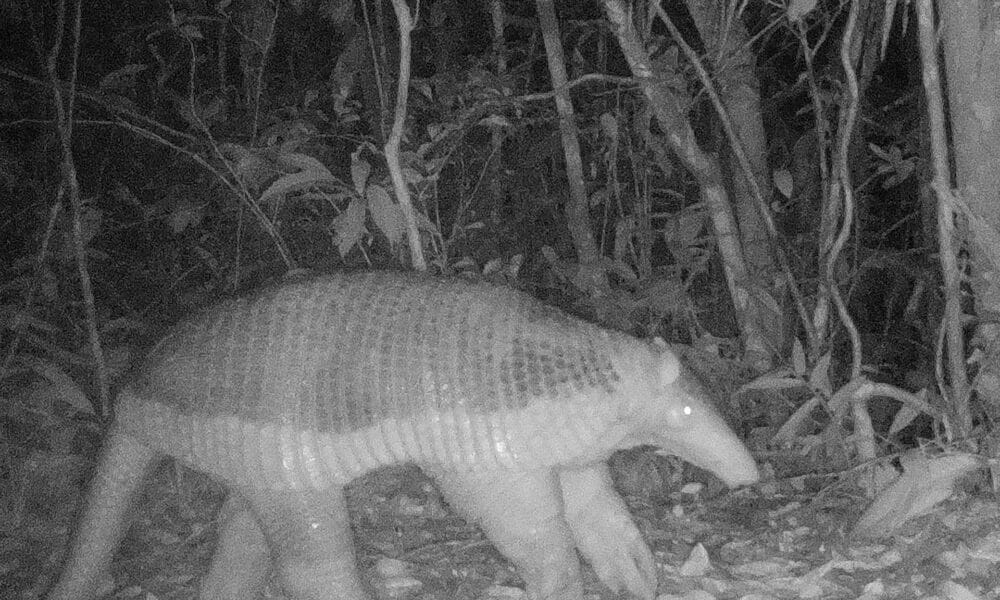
{"type": "Point", "coordinates": [669, 365]}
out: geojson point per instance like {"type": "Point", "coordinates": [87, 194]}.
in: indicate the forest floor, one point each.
{"type": "Point", "coordinates": [777, 539]}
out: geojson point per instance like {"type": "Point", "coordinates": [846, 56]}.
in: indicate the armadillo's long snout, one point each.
{"type": "Point", "coordinates": [696, 432]}
{"type": "Point", "coordinates": [715, 448]}
{"type": "Point", "coordinates": [728, 459]}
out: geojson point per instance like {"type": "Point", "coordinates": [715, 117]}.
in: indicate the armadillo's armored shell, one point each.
{"type": "Point", "coordinates": [331, 377]}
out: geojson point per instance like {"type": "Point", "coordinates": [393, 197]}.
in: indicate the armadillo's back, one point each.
{"type": "Point", "coordinates": [317, 382]}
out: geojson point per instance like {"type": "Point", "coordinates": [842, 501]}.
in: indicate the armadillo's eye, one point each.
{"type": "Point", "coordinates": [687, 410]}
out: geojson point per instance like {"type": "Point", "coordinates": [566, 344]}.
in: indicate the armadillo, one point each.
{"type": "Point", "coordinates": [510, 405]}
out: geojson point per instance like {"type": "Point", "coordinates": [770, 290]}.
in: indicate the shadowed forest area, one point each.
{"type": "Point", "coordinates": [798, 196]}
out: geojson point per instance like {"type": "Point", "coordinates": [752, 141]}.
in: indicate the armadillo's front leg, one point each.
{"type": "Point", "coordinates": [309, 533]}
{"type": "Point", "coordinates": [242, 560]}
{"type": "Point", "coordinates": [604, 531]}
{"type": "Point", "coordinates": [522, 514]}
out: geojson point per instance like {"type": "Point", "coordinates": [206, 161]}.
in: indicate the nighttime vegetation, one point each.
{"type": "Point", "coordinates": [798, 195]}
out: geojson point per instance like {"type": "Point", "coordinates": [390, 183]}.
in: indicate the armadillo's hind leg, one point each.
{"type": "Point", "coordinates": [123, 465]}
{"type": "Point", "coordinates": [522, 514]}
{"type": "Point", "coordinates": [309, 533]}
{"type": "Point", "coordinates": [604, 531]}
{"type": "Point", "coordinates": [242, 559]}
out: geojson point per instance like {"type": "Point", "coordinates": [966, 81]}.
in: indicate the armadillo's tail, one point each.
{"type": "Point", "coordinates": [122, 468]}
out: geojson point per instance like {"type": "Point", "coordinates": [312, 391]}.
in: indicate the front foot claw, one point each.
{"type": "Point", "coordinates": [604, 532]}
{"type": "Point", "coordinates": [614, 548]}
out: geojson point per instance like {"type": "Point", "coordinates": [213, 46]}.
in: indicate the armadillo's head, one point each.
{"type": "Point", "coordinates": [676, 415]}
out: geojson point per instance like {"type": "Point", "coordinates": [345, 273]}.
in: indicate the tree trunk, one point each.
{"type": "Point", "coordinates": [972, 63]}
{"type": "Point", "coordinates": [656, 85]}
{"type": "Point", "coordinates": [726, 39]}
{"type": "Point", "coordinates": [577, 215]}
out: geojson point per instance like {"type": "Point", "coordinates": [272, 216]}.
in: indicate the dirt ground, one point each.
{"type": "Point", "coordinates": [781, 538]}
